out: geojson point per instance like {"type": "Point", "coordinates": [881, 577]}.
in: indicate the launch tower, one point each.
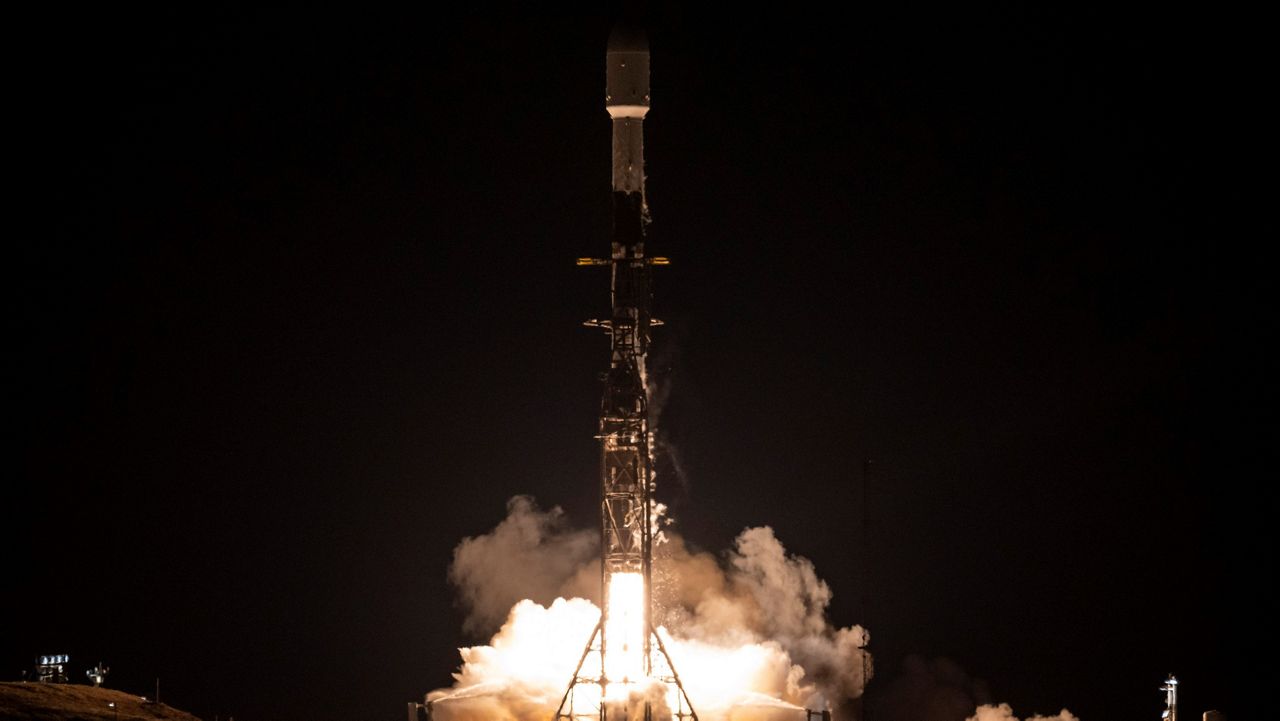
{"type": "Point", "coordinates": [625, 659]}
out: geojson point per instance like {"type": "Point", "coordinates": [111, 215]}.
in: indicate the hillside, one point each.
{"type": "Point", "coordinates": [71, 702]}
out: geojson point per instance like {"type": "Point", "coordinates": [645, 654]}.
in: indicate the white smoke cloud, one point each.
{"type": "Point", "coordinates": [764, 595]}
{"type": "Point", "coordinates": [531, 554]}
{"type": "Point", "coordinates": [1003, 712]}
{"type": "Point", "coordinates": [749, 634]}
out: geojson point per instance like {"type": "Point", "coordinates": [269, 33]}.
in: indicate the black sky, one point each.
{"type": "Point", "coordinates": [294, 310]}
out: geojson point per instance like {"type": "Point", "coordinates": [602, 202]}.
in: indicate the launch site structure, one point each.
{"type": "Point", "coordinates": [626, 458]}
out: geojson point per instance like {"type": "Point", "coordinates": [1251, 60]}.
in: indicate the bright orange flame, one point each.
{"type": "Point", "coordinates": [522, 674]}
{"type": "Point", "coordinates": [624, 633]}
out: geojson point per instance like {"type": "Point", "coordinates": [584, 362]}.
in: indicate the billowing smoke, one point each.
{"type": "Point", "coordinates": [747, 630]}
{"type": "Point", "coordinates": [531, 554]}
{"type": "Point", "coordinates": [763, 594]}
{"type": "Point", "coordinates": [1004, 713]}
{"type": "Point", "coordinates": [748, 633]}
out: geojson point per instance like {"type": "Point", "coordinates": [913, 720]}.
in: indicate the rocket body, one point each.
{"type": "Point", "coordinates": [625, 638]}
{"type": "Point", "coordinates": [624, 429]}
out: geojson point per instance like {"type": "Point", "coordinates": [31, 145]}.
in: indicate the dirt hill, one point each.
{"type": "Point", "coordinates": [70, 702]}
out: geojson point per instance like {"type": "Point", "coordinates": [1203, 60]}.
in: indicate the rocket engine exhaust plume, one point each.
{"type": "Point", "coordinates": [749, 629]}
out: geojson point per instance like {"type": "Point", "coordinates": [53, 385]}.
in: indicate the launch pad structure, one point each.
{"type": "Point", "coordinates": [626, 458]}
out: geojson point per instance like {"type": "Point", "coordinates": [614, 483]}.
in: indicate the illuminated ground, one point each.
{"type": "Point", "coordinates": [64, 702]}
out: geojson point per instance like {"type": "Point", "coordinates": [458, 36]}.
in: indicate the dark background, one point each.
{"type": "Point", "coordinates": [294, 310]}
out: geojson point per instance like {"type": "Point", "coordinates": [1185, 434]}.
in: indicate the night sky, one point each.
{"type": "Point", "coordinates": [294, 310]}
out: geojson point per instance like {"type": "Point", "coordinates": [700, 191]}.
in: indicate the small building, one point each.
{"type": "Point", "coordinates": [53, 669]}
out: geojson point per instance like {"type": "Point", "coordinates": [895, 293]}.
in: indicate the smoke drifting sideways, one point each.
{"type": "Point", "coordinates": [928, 689]}
{"type": "Point", "coordinates": [748, 633]}
{"type": "Point", "coordinates": [1002, 712]}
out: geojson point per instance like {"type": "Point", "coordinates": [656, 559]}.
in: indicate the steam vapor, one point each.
{"type": "Point", "coordinates": [531, 554]}
{"type": "Point", "coordinates": [748, 633]}
{"type": "Point", "coordinates": [1004, 713]}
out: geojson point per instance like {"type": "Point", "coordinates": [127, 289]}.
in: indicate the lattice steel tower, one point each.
{"type": "Point", "coordinates": [626, 458]}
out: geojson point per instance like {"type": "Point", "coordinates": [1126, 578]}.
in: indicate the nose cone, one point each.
{"type": "Point", "coordinates": [628, 37]}
{"type": "Point", "coordinates": [627, 71]}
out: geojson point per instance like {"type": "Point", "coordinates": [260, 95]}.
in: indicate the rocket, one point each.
{"type": "Point", "coordinates": [626, 457]}
{"type": "Point", "coordinates": [624, 422]}
{"type": "Point", "coordinates": [626, 462]}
